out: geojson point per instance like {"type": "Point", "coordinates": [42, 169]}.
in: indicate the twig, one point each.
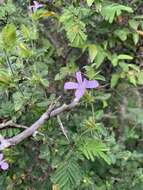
{"type": "Point", "coordinates": [51, 112]}
{"type": "Point", "coordinates": [62, 127]}
{"type": "Point", "coordinates": [11, 124]}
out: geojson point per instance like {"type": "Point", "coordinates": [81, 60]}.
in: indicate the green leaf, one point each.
{"type": "Point", "coordinates": [68, 175]}
{"type": "Point", "coordinates": [101, 55]}
{"type": "Point", "coordinates": [74, 27]}
{"type": "Point", "coordinates": [134, 24]}
{"type": "Point", "coordinates": [140, 78]}
{"type": "Point", "coordinates": [25, 31]}
{"type": "Point", "coordinates": [110, 11]}
{"type": "Point", "coordinates": [116, 58]}
{"type": "Point", "coordinates": [122, 34]}
{"type": "Point", "coordinates": [9, 36]}
{"type": "Point", "coordinates": [124, 66]}
{"type": "Point", "coordinates": [99, 114]}
{"type": "Point", "coordinates": [90, 2]}
{"type": "Point", "coordinates": [132, 79]}
{"type": "Point", "coordinates": [44, 152]}
{"type": "Point", "coordinates": [93, 148]}
{"type": "Point", "coordinates": [92, 51]}
{"type": "Point", "coordinates": [10, 132]}
{"type": "Point", "coordinates": [124, 57]}
{"type": "Point", "coordinates": [24, 51]}
{"type": "Point", "coordinates": [5, 77]}
{"type": "Point", "coordinates": [90, 72]}
{"type": "Point", "coordinates": [135, 38]}
{"type": "Point", "coordinates": [114, 80]}
{"type": "Point", "coordinates": [136, 114]}
{"type": "Point", "coordinates": [134, 67]}
{"type": "Point", "coordinates": [103, 96]}
{"type": "Point", "coordinates": [18, 101]}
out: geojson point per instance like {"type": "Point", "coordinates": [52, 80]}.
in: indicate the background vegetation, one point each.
{"type": "Point", "coordinates": [42, 50]}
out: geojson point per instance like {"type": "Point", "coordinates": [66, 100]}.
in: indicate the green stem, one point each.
{"type": "Point", "coordinates": [12, 71]}
{"type": "Point", "coordinates": [92, 108]}
{"type": "Point", "coordinates": [9, 64]}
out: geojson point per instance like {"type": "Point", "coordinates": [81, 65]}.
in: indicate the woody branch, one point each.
{"type": "Point", "coordinates": [51, 112]}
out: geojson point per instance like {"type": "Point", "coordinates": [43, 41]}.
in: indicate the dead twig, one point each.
{"type": "Point", "coordinates": [51, 112]}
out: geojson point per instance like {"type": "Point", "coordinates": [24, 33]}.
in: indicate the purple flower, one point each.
{"type": "Point", "coordinates": [81, 85]}
{"type": "Point", "coordinates": [3, 164]}
{"type": "Point", "coordinates": [35, 6]}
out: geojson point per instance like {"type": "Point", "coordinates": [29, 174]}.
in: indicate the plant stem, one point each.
{"type": "Point", "coordinates": [92, 108]}
{"type": "Point", "coordinates": [12, 71]}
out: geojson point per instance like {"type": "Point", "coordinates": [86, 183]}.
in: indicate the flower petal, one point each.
{"type": "Point", "coordinates": [90, 83]}
{"type": "Point", "coordinates": [35, 3]}
{"type": "Point", "coordinates": [39, 5]}
{"type": "Point", "coordinates": [4, 166]}
{"type": "Point", "coordinates": [79, 77]}
{"type": "Point", "coordinates": [35, 6]}
{"type": "Point", "coordinates": [79, 93]}
{"type": "Point", "coordinates": [70, 85]}
{"type": "Point", "coordinates": [1, 157]}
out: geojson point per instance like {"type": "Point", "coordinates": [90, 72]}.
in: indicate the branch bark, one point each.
{"type": "Point", "coordinates": [51, 112]}
{"type": "Point", "coordinates": [11, 124]}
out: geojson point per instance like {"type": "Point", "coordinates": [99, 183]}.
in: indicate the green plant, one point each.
{"type": "Point", "coordinates": [50, 139]}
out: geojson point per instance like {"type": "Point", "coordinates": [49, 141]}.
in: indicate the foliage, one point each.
{"type": "Point", "coordinates": [70, 171]}
{"type": "Point", "coordinates": [42, 50]}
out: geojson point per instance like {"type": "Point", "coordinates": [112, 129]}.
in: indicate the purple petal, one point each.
{"type": "Point", "coordinates": [70, 85]}
{"type": "Point", "coordinates": [4, 166]}
{"type": "Point", "coordinates": [35, 3]}
{"type": "Point", "coordinates": [1, 157]}
{"type": "Point", "coordinates": [35, 6]}
{"type": "Point", "coordinates": [39, 5]}
{"type": "Point", "coordinates": [90, 83]}
{"type": "Point", "coordinates": [79, 77]}
{"type": "Point", "coordinates": [79, 93]}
